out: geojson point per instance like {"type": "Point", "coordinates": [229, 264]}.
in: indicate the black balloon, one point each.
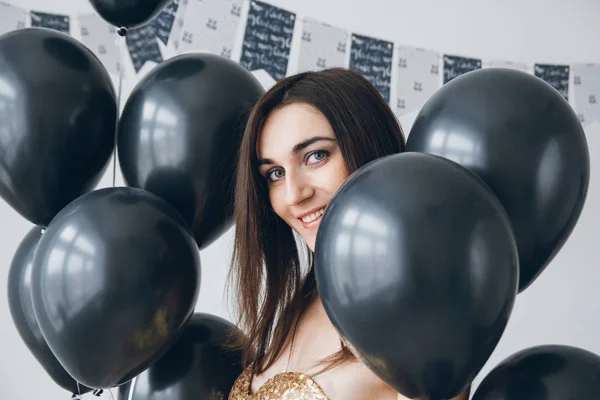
{"type": "Point", "coordinates": [544, 372]}
{"type": "Point", "coordinates": [417, 268]}
{"type": "Point", "coordinates": [199, 366]}
{"type": "Point", "coordinates": [23, 315]}
{"type": "Point", "coordinates": [58, 113]}
{"type": "Point", "coordinates": [128, 13]}
{"type": "Point", "coordinates": [522, 137]}
{"type": "Point", "coordinates": [115, 279]}
{"type": "Point", "coordinates": [179, 135]}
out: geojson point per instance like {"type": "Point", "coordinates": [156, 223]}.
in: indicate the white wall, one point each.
{"type": "Point", "coordinates": [562, 306]}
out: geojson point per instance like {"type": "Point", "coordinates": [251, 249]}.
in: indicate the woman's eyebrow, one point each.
{"type": "Point", "coordinates": [298, 147]}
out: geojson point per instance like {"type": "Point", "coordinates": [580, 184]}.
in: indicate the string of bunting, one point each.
{"type": "Point", "coordinates": [261, 36]}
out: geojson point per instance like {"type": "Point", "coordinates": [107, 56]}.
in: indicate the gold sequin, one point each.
{"type": "Point", "coordinates": [282, 386]}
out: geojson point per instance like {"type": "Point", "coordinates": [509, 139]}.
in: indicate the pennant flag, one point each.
{"type": "Point", "coordinates": [455, 66]}
{"type": "Point", "coordinates": [57, 22]}
{"type": "Point", "coordinates": [12, 18]}
{"type": "Point", "coordinates": [555, 75]}
{"type": "Point", "coordinates": [322, 46]}
{"type": "Point", "coordinates": [373, 58]}
{"type": "Point", "coordinates": [268, 39]}
{"type": "Point", "coordinates": [142, 46]}
{"type": "Point", "coordinates": [210, 25]}
{"type": "Point", "coordinates": [586, 90]}
{"type": "Point", "coordinates": [164, 21]}
{"type": "Point", "coordinates": [418, 78]}
{"type": "Point", "coordinates": [507, 64]}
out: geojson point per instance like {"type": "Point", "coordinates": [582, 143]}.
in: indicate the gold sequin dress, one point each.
{"type": "Point", "coordinates": [282, 386]}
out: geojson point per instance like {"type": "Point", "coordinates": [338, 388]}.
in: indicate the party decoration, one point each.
{"type": "Point", "coordinates": [143, 46]}
{"type": "Point", "coordinates": [58, 113]}
{"type": "Point", "coordinates": [199, 366]}
{"type": "Point", "coordinates": [544, 372]}
{"type": "Point", "coordinates": [417, 268]}
{"type": "Point", "coordinates": [130, 13]}
{"type": "Point", "coordinates": [455, 66]}
{"type": "Point", "coordinates": [115, 279]}
{"type": "Point", "coordinates": [211, 25]}
{"type": "Point", "coordinates": [522, 137]}
{"type": "Point", "coordinates": [555, 75]}
{"type": "Point", "coordinates": [23, 316]}
{"type": "Point", "coordinates": [180, 132]}
{"type": "Point", "coordinates": [372, 57]}
{"type": "Point", "coordinates": [268, 35]}
{"type": "Point", "coordinates": [61, 23]}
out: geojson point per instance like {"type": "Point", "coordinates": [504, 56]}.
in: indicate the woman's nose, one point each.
{"type": "Point", "coordinates": [298, 188]}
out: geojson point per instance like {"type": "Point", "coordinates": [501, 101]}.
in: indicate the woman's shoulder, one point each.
{"type": "Point", "coordinates": [354, 381]}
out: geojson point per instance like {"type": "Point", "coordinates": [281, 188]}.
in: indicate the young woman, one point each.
{"type": "Point", "coordinates": [305, 136]}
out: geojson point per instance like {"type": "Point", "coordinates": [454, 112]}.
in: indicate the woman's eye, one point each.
{"type": "Point", "coordinates": [317, 156]}
{"type": "Point", "coordinates": [275, 175]}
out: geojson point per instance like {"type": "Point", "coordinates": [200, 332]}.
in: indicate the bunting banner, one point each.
{"type": "Point", "coordinates": [273, 42]}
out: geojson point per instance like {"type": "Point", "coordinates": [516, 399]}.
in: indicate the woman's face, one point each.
{"type": "Point", "coordinates": [300, 157]}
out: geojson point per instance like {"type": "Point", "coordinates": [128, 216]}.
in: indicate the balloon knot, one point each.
{"type": "Point", "coordinates": [122, 31]}
{"type": "Point", "coordinates": [76, 396]}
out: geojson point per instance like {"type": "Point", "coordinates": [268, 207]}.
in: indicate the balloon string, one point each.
{"type": "Point", "coordinates": [121, 44]}
{"type": "Point", "coordinates": [110, 394]}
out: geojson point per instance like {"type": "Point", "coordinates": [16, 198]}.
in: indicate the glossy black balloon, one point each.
{"type": "Point", "coordinates": [115, 278]}
{"type": "Point", "coordinates": [522, 137]}
{"type": "Point", "coordinates": [199, 366]}
{"type": "Point", "coordinates": [23, 315]}
{"type": "Point", "coordinates": [128, 13]}
{"type": "Point", "coordinates": [544, 372]}
{"type": "Point", "coordinates": [179, 136]}
{"type": "Point", "coordinates": [417, 268]}
{"type": "Point", "coordinates": [58, 113]}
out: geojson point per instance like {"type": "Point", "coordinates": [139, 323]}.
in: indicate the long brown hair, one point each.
{"type": "Point", "coordinates": [271, 285]}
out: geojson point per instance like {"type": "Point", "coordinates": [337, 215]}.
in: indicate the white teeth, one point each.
{"type": "Point", "coordinates": [313, 216]}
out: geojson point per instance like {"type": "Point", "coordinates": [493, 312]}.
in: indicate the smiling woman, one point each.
{"type": "Point", "coordinates": [312, 170]}
{"type": "Point", "coordinates": [303, 139]}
